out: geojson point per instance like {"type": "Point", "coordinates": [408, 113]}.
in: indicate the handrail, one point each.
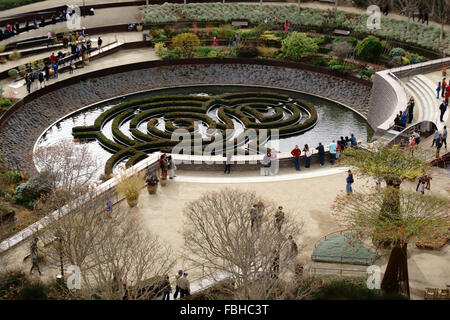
{"type": "Point", "coordinates": [426, 128]}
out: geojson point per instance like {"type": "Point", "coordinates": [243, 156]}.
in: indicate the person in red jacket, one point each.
{"type": "Point", "coordinates": [444, 86]}
{"type": "Point", "coordinates": [296, 152]}
{"type": "Point", "coordinates": [53, 58]}
{"type": "Point", "coordinates": [447, 94]}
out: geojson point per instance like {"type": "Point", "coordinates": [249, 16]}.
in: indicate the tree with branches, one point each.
{"type": "Point", "coordinates": [394, 166]}
{"type": "Point", "coordinates": [413, 215]}
{"type": "Point", "coordinates": [234, 233]}
{"type": "Point", "coordinates": [407, 7]}
{"type": "Point", "coordinates": [110, 248]}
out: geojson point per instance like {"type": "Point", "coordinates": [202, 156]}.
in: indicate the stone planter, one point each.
{"type": "Point", "coordinates": [152, 188]}
{"type": "Point", "coordinates": [132, 203]}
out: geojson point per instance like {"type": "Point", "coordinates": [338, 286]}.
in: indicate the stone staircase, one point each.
{"type": "Point", "coordinates": [424, 92]}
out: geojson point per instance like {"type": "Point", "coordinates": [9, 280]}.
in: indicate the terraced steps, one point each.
{"type": "Point", "coordinates": [427, 104]}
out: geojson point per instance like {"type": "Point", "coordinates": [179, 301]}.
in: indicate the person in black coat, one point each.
{"type": "Point", "coordinates": [321, 152]}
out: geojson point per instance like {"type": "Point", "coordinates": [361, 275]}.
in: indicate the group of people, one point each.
{"type": "Point", "coordinates": [182, 286]}
{"type": "Point", "coordinates": [439, 139]}
{"type": "Point", "coordinates": [37, 79]}
{"type": "Point", "coordinates": [406, 116]}
{"type": "Point", "coordinates": [166, 167]}
{"type": "Point", "coordinates": [11, 30]}
{"type": "Point", "coordinates": [335, 148]}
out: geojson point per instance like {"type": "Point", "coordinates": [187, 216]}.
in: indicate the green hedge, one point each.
{"type": "Point", "coordinates": [9, 4]}
{"type": "Point", "coordinates": [183, 110]}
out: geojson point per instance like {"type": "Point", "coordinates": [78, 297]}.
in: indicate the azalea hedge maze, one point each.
{"type": "Point", "coordinates": [152, 121]}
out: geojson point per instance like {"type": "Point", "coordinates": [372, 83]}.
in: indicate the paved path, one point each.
{"type": "Point", "coordinates": [123, 15]}
{"type": "Point", "coordinates": [115, 59]}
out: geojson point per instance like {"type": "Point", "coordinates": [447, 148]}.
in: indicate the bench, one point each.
{"type": "Point", "coordinates": [240, 23]}
{"type": "Point", "coordinates": [341, 32]}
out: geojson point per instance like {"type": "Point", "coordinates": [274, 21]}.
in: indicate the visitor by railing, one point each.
{"type": "Point", "coordinates": [425, 127]}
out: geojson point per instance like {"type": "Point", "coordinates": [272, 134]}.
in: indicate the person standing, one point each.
{"type": "Point", "coordinates": [321, 153]}
{"type": "Point", "coordinates": [354, 142]}
{"type": "Point", "coordinates": [177, 283]}
{"type": "Point", "coordinates": [171, 167]}
{"type": "Point", "coordinates": [99, 44]}
{"type": "Point", "coordinates": [308, 154]}
{"type": "Point", "coordinates": [436, 135]}
{"type": "Point", "coordinates": [71, 67]}
{"type": "Point", "coordinates": [425, 17]}
{"type": "Point", "coordinates": [34, 256]}
{"type": "Point", "coordinates": [228, 163]}
{"type": "Point", "coordinates": [274, 165]}
{"type": "Point", "coordinates": [403, 119]}
{"type": "Point", "coordinates": [279, 218]}
{"type": "Point", "coordinates": [164, 167]}
{"type": "Point", "coordinates": [167, 288]}
{"type": "Point", "coordinates": [28, 82]}
{"type": "Point", "coordinates": [442, 108]}
{"type": "Point", "coordinates": [411, 109]}
{"type": "Point", "coordinates": [447, 94]}
{"type": "Point", "coordinates": [350, 181]}
{"type": "Point", "coordinates": [438, 89]}
{"type": "Point", "coordinates": [296, 152]}
{"type": "Point", "coordinates": [443, 86]}
{"type": "Point", "coordinates": [55, 69]}
{"type": "Point", "coordinates": [332, 147]}
{"type": "Point", "coordinates": [185, 287]}
{"type": "Point", "coordinates": [41, 79]}
{"type": "Point", "coordinates": [47, 72]}
{"type": "Point", "coordinates": [421, 185]}
{"type": "Point", "coordinates": [266, 163]}
{"type": "Point", "coordinates": [444, 136]}
{"type": "Point", "coordinates": [438, 145]}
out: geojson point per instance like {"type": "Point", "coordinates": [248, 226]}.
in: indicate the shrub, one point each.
{"type": "Point", "coordinates": [27, 193]}
{"type": "Point", "coordinates": [5, 103]}
{"type": "Point", "coordinates": [13, 176]}
{"type": "Point", "coordinates": [397, 52]}
{"type": "Point", "coordinates": [202, 51]}
{"type": "Point", "coordinates": [320, 61]}
{"type": "Point", "coordinates": [2, 47]}
{"type": "Point", "coordinates": [342, 49]}
{"type": "Point", "coordinates": [186, 43]}
{"type": "Point", "coordinates": [298, 46]}
{"type": "Point", "coordinates": [268, 52]}
{"type": "Point", "coordinates": [159, 48]}
{"type": "Point", "coordinates": [15, 55]}
{"type": "Point", "coordinates": [13, 73]}
{"type": "Point", "coordinates": [226, 30]}
{"type": "Point", "coordinates": [247, 52]}
{"type": "Point", "coordinates": [130, 187]}
{"type": "Point", "coordinates": [369, 49]}
{"type": "Point", "coordinates": [353, 41]}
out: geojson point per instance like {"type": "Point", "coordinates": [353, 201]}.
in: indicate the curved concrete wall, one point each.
{"type": "Point", "coordinates": [387, 98]}
{"type": "Point", "coordinates": [19, 130]}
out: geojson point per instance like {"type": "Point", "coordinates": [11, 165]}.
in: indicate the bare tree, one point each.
{"type": "Point", "coordinates": [233, 234]}
{"type": "Point", "coordinates": [407, 7]}
{"type": "Point", "coordinates": [71, 165]}
{"type": "Point", "coordinates": [342, 49]}
{"type": "Point", "coordinates": [441, 13]}
{"type": "Point", "coordinates": [110, 248]}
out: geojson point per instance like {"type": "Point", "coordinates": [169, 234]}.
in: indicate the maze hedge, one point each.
{"type": "Point", "coordinates": [254, 110]}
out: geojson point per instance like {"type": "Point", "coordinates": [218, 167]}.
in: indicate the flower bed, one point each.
{"type": "Point", "coordinates": [423, 35]}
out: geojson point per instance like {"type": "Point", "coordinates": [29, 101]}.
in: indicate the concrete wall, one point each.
{"type": "Point", "coordinates": [388, 95]}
